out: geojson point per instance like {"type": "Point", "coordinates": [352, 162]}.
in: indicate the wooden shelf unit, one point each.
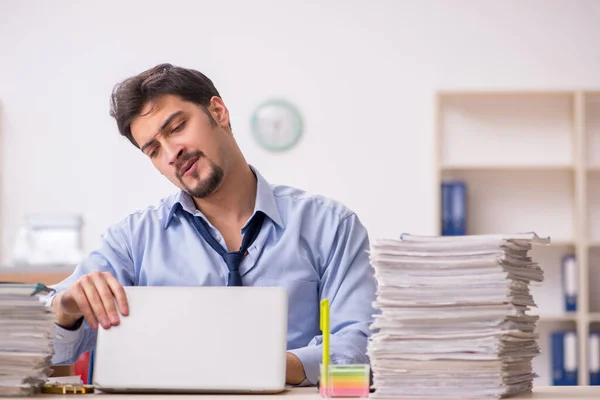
{"type": "Point", "coordinates": [531, 162]}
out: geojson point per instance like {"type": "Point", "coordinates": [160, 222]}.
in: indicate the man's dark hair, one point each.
{"type": "Point", "coordinates": [130, 96]}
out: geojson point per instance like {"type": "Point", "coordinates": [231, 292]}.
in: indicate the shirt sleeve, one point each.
{"type": "Point", "coordinates": [349, 283]}
{"type": "Point", "coordinates": [112, 256]}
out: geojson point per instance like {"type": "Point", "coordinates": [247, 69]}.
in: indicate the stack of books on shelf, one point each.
{"type": "Point", "coordinates": [452, 318]}
{"type": "Point", "coordinates": [454, 208]}
{"type": "Point", "coordinates": [25, 345]}
{"type": "Point", "coordinates": [564, 352]}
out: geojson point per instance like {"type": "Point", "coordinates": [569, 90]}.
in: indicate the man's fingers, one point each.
{"type": "Point", "coordinates": [94, 300]}
{"type": "Point", "coordinates": [119, 293]}
{"type": "Point", "coordinates": [106, 297]}
{"type": "Point", "coordinates": [93, 296]}
{"type": "Point", "coordinates": [78, 295]}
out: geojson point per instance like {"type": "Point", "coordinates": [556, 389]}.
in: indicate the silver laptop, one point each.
{"type": "Point", "coordinates": [196, 340]}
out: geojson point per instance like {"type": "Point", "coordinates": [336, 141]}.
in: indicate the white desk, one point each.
{"type": "Point", "coordinates": [539, 393]}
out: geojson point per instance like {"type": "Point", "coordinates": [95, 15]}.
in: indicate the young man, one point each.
{"type": "Point", "coordinates": [226, 226]}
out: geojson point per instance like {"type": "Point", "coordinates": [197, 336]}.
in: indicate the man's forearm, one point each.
{"type": "Point", "coordinates": [69, 337]}
{"type": "Point", "coordinates": [294, 373]}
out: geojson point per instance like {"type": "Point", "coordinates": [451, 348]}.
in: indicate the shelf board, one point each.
{"type": "Point", "coordinates": [594, 317]}
{"type": "Point", "coordinates": [524, 168]}
{"type": "Point", "coordinates": [558, 318]}
{"type": "Point", "coordinates": [462, 92]}
{"type": "Point", "coordinates": [556, 243]}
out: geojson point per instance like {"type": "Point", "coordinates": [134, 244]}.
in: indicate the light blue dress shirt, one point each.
{"type": "Point", "coordinates": [313, 246]}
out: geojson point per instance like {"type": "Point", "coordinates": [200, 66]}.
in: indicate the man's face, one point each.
{"type": "Point", "coordinates": [185, 144]}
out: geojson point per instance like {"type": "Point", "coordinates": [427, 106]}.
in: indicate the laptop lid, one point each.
{"type": "Point", "coordinates": [196, 339]}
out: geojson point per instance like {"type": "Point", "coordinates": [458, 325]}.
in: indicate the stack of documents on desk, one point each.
{"type": "Point", "coordinates": [25, 346]}
{"type": "Point", "coordinates": [453, 317]}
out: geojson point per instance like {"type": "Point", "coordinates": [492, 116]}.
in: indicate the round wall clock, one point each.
{"type": "Point", "coordinates": [277, 125]}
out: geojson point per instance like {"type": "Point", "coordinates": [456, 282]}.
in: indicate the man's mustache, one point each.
{"type": "Point", "coordinates": [198, 154]}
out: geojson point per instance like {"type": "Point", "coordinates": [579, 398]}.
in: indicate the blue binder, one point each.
{"type": "Point", "coordinates": [570, 279]}
{"type": "Point", "coordinates": [91, 367]}
{"type": "Point", "coordinates": [564, 358]}
{"type": "Point", "coordinates": [454, 208]}
{"type": "Point", "coordinates": [594, 358]}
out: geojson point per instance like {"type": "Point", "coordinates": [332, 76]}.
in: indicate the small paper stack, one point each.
{"type": "Point", "coordinates": [25, 345]}
{"type": "Point", "coordinates": [452, 316]}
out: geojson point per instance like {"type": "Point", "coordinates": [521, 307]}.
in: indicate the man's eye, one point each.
{"type": "Point", "coordinates": [153, 153]}
{"type": "Point", "coordinates": [179, 127]}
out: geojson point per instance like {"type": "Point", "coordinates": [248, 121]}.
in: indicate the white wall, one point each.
{"type": "Point", "coordinates": [363, 74]}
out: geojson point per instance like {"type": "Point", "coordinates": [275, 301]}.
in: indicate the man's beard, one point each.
{"type": "Point", "coordinates": [205, 187]}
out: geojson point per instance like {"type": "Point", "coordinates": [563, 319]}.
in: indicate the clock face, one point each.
{"type": "Point", "coordinates": [277, 125]}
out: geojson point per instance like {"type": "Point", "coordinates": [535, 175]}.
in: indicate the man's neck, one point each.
{"type": "Point", "coordinates": [233, 203]}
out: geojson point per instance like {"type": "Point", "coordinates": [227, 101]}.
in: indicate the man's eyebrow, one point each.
{"type": "Point", "coordinates": [162, 128]}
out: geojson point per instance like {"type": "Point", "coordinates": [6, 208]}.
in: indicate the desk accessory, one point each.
{"type": "Point", "coordinates": [341, 380]}
{"type": "Point", "coordinates": [58, 388]}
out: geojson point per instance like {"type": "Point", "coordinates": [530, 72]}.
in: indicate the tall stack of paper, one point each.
{"type": "Point", "coordinates": [25, 346]}
{"type": "Point", "coordinates": [452, 320]}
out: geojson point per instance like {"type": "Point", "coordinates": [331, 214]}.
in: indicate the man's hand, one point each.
{"type": "Point", "coordinates": [92, 297]}
{"type": "Point", "coordinates": [294, 373]}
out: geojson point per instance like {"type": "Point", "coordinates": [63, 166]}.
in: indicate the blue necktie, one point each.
{"type": "Point", "coordinates": [233, 259]}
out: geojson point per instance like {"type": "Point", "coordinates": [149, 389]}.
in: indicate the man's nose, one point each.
{"type": "Point", "coordinates": [174, 153]}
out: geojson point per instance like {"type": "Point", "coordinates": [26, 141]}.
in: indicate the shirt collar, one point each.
{"type": "Point", "coordinates": [265, 201]}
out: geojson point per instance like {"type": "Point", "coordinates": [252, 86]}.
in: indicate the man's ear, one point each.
{"type": "Point", "coordinates": [219, 111]}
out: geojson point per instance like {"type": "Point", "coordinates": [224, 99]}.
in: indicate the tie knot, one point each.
{"type": "Point", "coordinates": [233, 260]}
